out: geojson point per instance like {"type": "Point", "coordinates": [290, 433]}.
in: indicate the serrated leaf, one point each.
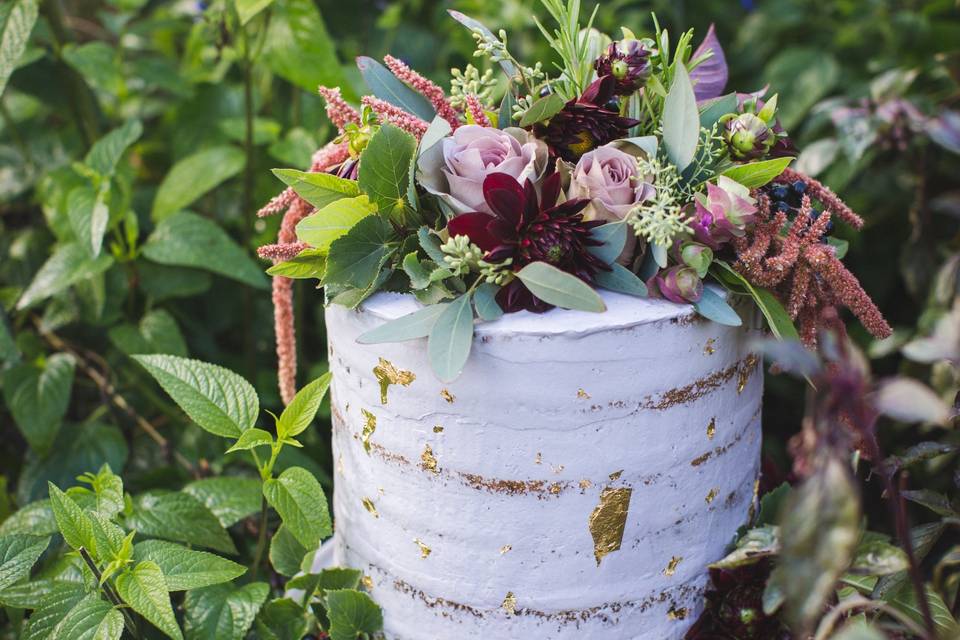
{"type": "Point", "coordinates": [299, 499]}
{"type": "Point", "coordinates": [386, 86]}
{"type": "Point", "coordinates": [485, 301]}
{"type": "Point", "coordinates": [300, 50]}
{"type": "Point", "coordinates": [757, 174]}
{"type": "Point", "coordinates": [35, 518]}
{"type": "Point", "coordinates": [560, 288]}
{"type": "Point", "coordinates": [38, 398]}
{"type": "Point", "coordinates": [107, 151]}
{"type": "Point", "coordinates": [193, 177]}
{"type": "Point", "coordinates": [303, 408]}
{"type": "Point", "coordinates": [157, 333]}
{"type": "Point", "coordinates": [18, 553]}
{"type": "Point", "coordinates": [621, 280]}
{"type": "Point", "coordinates": [31, 594]}
{"type": "Point", "coordinates": [356, 259]}
{"type": "Point", "coordinates": [283, 619]}
{"type": "Point", "coordinates": [543, 109]}
{"type": "Point", "coordinates": [712, 306]}
{"type": "Point", "coordinates": [90, 619]}
{"type": "Point", "coordinates": [613, 235]}
{"type": "Point", "coordinates": [179, 517]}
{"type": "Point", "coordinates": [69, 264]}
{"type": "Point", "coordinates": [209, 248]}
{"type": "Point", "coordinates": [321, 228]}
{"type": "Point", "coordinates": [224, 612]}
{"type": "Point", "coordinates": [16, 23]}
{"type": "Point", "coordinates": [251, 439]}
{"type": "Point", "coordinates": [247, 10]}
{"type": "Point", "coordinates": [878, 558]}
{"type": "Point", "coordinates": [88, 214]}
{"type": "Point", "coordinates": [108, 488]}
{"type": "Point", "coordinates": [56, 604]}
{"type": "Point", "coordinates": [145, 590]}
{"type": "Point", "coordinates": [319, 189]}
{"type": "Point", "coordinates": [229, 498]}
{"type": "Point", "coordinates": [185, 569]}
{"type": "Point", "coordinates": [411, 326]}
{"type": "Point", "coordinates": [286, 552]}
{"type": "Point", "coordinates": [351, 613]}
{"type": "Point", "coordinates": [384, 169]}
{"type": "Point", "coordinates": [451, 339]}
{"type": "Point", "coordinates": [74, 525]}
{"type": "Point", "coordinates": [905, 600]}
{"type": "Point", "coordinates": [430, 243]}
{"type": "Point", "coordinates": [309, 263]}
{"type": "Point", "coordinates": [681, 120]}
{"type": "Point", "coordinates": [217, 399]}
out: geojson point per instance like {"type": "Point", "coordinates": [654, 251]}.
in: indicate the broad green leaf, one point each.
{"type": "Point", "coordinates": [309, 263]}
{"type": "Point", "coordinates": [89, 215]}
{"type": "Point", "coordinates": [485, 301]}
{"type": "Point", "coordinates": [108, 488]}
{"type": "Point", "coordinates": [752, 547]}
{"type": "Point", "coordinates": [712, 306]}
{"type": "Point", "coordinates": [543, 109]}
{"type": "Point", "coordinates": [224, 612]}
{"type": "Point", "coordinates": [414, 325]}
{"type": "Point", "coordinates": [98, 63]}
{"type": "Point", "coordinates": [333, 221]}
{"type": "Point", "coordinates": [299, 499]}
{"type": "Point", "coordinates": [107, 151]}
{"type": "Point", "coordinates": [430, 244]}
{"type": "Point", "coordinates": [75, 526]}
{"type": "Point", "coordinates": [35, 518]}
{"type": "Point", "coordinates": [251, 439]}
{"type": "Point", "coordinates": [181, 518]}
{"type": "Point", "coordinates": [560, 288]}
{"type": "Point", "coordinates": [418, 274]}
{"type": "Point", "coordinates": [714, 109]}
{"type": "Point", "coordinates": [757, 174]}
{"type": "Point", "coordinates": [69, 264]}
{"type": "Point", "coordinates": [777, 317]}
{"type": "Point", "coordinates": [16, 22]}
{"type": "Point", "coordinates": [356, 259]}
{"type": "Point", "coordinates": [286, 552]}
{"type": "Point", "coordinates": [209, 248]}
{"type": "Point", "coordinates": [9, 351]}
{"type": "Point", "coordinates": [300, 50]}
{"type": "Point", "coordinates": [158, 333]}
{"type": "Point", "coordinates": [451, 339]}
{"type": "Point", "coordinates": [217, 399]}
{"type": "Point", "coordinates": [384, 85]}
{"type": "Point", "coordinates": [230, 498]}
{"type": "Point", "coordinates": [283, 619]}
{"type": "Point", "coordinates": [858, 631]}
{"type": "Point", "coordinates": [185, 569]}
{"type": "Point", "coordinates": [303, 408]}
{"type": "Point", "coordinates": [90, 619]}
{"type": "Point", "coordinates": [18, 554]}
{"type": "Point", "coordinates": [193, 177]}
{"type": "Point", "coordinates": [352, 613]}
{"type": "Point", "coordinates": [384, 169]}
{"type": "Point", "coordinates": [55, 606]}
{"type": "Point", "coordinates": [296, 147]}
{"type": "Point", "coordinates": [681, 120]}
{"type": "Point", "coordinates": [621, 280]}
{"type": "Point", "coordinates": [613, 235]}
{"type": "Point", "coordinates": [38, 398]}
{"type": "Point", "coordinates": [905, 600]}
{"type": "Point", "coordinates": [438, 130]}
{"type": "Point", "coordinates": [878, 558]}
{"type": "Point", "coordinates": [319, 189]}
{"type": "Point", "coordinates": [109, 539]}
{"type": "Point", "coordinates": [31, 594]}
{"type": "Point", "coordinates": [248, 9]}
{"type": "Point", "coordinates": [161, 282]}
{"type": "Point", "coordinates": [145, 590]}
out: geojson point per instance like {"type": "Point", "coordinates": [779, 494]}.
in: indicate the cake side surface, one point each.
{"type": "Point", "coordinates": [576, 478]}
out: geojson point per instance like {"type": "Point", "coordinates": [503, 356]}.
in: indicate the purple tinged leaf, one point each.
{"type": "Point", "coordinates": [945, 130]}
{"type": "Point", "coordinates": [710, 76]}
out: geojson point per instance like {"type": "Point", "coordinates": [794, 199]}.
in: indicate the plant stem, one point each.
{"type": "Point", "coordinates": [112, 595]}
{"type": "Point", "coordinates": [247, 206]}
{"type": "Point", "coordinates": [261, 540]}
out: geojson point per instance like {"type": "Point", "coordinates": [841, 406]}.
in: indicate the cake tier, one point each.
{"type": "Point", "coordinates": [573, 482]}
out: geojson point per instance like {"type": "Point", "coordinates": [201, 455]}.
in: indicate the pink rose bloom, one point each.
{"type": "Point", "coordinates": [474, 152]}
{"type": "Point", "coordinates": [609, 177]}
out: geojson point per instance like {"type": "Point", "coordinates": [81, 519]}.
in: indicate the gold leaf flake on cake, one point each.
{"type": "Point", "coordinates": [505, 548]}
{"type": "Point", "coordinates": [369, 506]}
{"type": "Point", "coordinates": [556, 488]}
{"type": "Point", "coordinates": [672, 566]}
{"type": "Point", "coordinates": [387, 374]}
{"type": "Point", "coordinates": [582, 394]}
{"type": "Point", "coordinates": [437, 428]}
{"type": "Point", "coordinates": [585, 484]}
{"type": "Point", "coordinates": [676, 613]}
{"type": "Point", "coordinates": [708, 348]}
{"type": "Point", "coordinates": [367, 583]}
{"type": "Point", "coordinates": [510, 603]}
{"type": "Point", "coordinates": [608, 521]}
{"type": "Point", "coordinates": [446, 395]}
{"type": "Point", "coordinates": [713, 494]}
{"type": "Point", "coordinates": [538, 459]}
{"type": "Point", "coordinates": [369, 426]}
{"type": "Point", "coordinates": [616, 475]}
{"type": "Point", "coordinates": [753, 502]}
{"type": "Point", "coordinates": [749, 364]}
{"type": "Point", "coordinates": [424, 549]}
{"type": "Point", "coordinates": [428, 462]}
{"type": "Point", "coordinates": [712, 428]}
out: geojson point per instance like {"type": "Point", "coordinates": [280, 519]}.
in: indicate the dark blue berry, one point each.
{"type": "Point", "coordinates": [613, 105]}
{"type": "Point", "coordinates": [778, 191]}
{"type": "Point", "coordinates": [799, 186]}
{"type": "Point", "coordinates": [545, 91]}
{"type": "Point", "coordinates": [782, 206]}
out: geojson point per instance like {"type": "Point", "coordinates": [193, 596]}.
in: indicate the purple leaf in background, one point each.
{"type": "Point", "coordinates": [710, 76]}
{"type": "Point", "coordinates": [945, 130]}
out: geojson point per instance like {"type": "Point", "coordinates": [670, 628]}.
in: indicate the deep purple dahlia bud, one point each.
{"type": "Point", "coordinates": [747, 136]}
{"type": "Point", "coordinates": [627, 61]}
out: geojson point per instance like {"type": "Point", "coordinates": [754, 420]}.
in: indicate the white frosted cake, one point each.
{"type": "Point", "coordinates": [573, 482]}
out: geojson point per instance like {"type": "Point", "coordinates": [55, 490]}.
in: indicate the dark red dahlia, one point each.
{"type": "Point", "coordinates": [525, 229]}
{"type": "Point", "coordinates": [627, 62]}
{"type": "Point", "coordinates": [585, 123]}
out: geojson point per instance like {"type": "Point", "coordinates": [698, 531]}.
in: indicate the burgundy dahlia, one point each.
{"type": "Point", "coordinates": [525, 229]}
{"type": "Point", "coordinates": [585, 123]}
{"type": "Point", "coordinates": [627, 62]}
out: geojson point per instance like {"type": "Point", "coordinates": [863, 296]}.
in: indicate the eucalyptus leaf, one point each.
{"type": "Point", "coordinates": [621, 280]}
{"type": "Point", "coordinates": [613, 235]}
{"type": "Point", "coordinates": [681, 120]}
{"type": "Point", "coordinates": [418, 324]}
{"type": "Point", "coordinates": [384, 85]}
{"type": "Point", "coordinates": [451, 339]}
{"type": "Point", "coordinates": [712, 306]}
{"type": "Point", "coordinates": [560, 288]}
{"type": "Point", "coordinates": [543, 109]}
{"type": "Point", "coordinates": [485, 301]}
{"type": "Point", "coordinates": [476, 26]}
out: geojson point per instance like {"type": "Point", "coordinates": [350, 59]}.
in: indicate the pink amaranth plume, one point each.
{"type": "Point", "coordinates": [278, 203]}
{"type": "Point", "coordinates": [476, 111]}
{"type": "Point", "coordinates": [396, 116]}
{"type": "Point", "coordinates": [340, 113]}
{"type": "Point", "coordinates": [426, 88]}
{"type": "Point", "coordinates": [281, 252]}
{"type": "Point", "coordinates": [285, 331]}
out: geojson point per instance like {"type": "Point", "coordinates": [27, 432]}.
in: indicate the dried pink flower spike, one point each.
{"type": "Point", "coordinates": [278, 203]}
{"type": "Point", "coordinates": [476, 111]}
{"type": "Point", "coordinates": [396, 116]}
{"type": "Point", "coordinates": [426, 88]}
{"type": "Point", "coordinates": [285, 331]}
{"type": "Point", "coordinates": [340, 113]}
{"type": "Point", "coordinates": [281, 252]}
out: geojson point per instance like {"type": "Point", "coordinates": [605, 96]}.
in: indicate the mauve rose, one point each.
{"type": "Point", "coordinates": [474, 152]}
{"type": "Point", "coordinates": [609, 177]}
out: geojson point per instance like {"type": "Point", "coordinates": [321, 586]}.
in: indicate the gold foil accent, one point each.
{"type": "Point", "coordinates": [538, 459]}
{"type": "Point", "coordinates": [672, 566]}
{"type": "Point", "coordinates": [713, 494]}
{"type": "Point", "coordinates": [712, 428]}
{"type": "Point", "coordinates": [424, 549]}
{"type": "Point", "coordinates": [746, 371]}
{"type": "Point", "coordinates": [677, 614]}
{"type": "Point", "coordinates": [583, 395]}
{"type": "Point", "coordinates": [367, 583]}
{"type": "Point", "coordinates": [608, 521]}
{"type": "Point", "coordinates": [437, 428]}
{"type": "Point", "coordinates": [510, 603]}
{"type": "Point", "coordinates": [505, 548]}
{"type": "Point", "coordinates": [556, 469]}
{"type": "Point", "coordinates": [369, 426]}
{"type": "Point", "coordinates": [585, 484]}
{"type": "Point", "coordinates": [427, 460]}
{"type": "Point", "coordinates": [616, 475]}
{"type": "Point", "coordinates": [696, 462]}
{"type": "Point", "coordinates": [446, 395]}
{"type": "Point", "coordinates": [368, 505]}
{"type": "Point", "coordinates": [387, 374]}
{"type": "Point", "coordinates": [556, 488]}
{"type": "Point", "coordinates": [708, 348]}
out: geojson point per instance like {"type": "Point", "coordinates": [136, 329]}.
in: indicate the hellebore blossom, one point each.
{"type": "Point", "coordinates": [677, 284]}
{"type": "Point", "coordinates": [723, 213]}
